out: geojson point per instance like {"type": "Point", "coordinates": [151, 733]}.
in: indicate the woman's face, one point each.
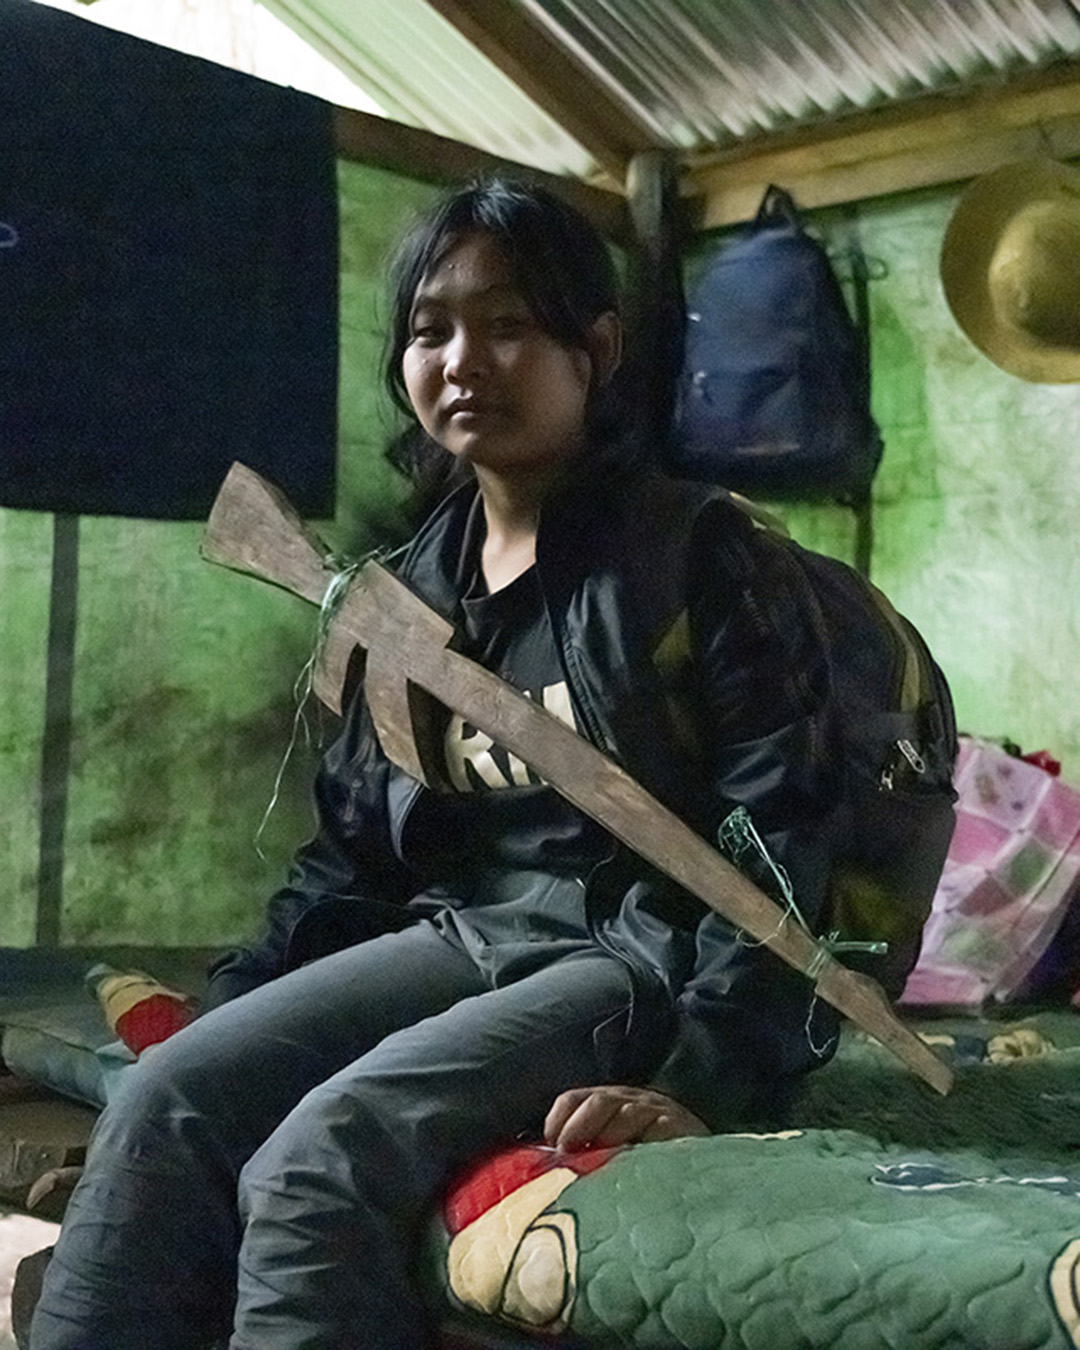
{"type": "Point", "coordinates": [485, 380]}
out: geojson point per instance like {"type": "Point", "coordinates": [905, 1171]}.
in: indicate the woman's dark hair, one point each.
{"type": "Point", "coordinates": [558, 261]}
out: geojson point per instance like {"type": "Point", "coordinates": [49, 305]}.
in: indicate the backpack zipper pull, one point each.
{"type": "Point", "coordinates": [912, 756]}
{"type": "Point", "coordinates": [918, 764]}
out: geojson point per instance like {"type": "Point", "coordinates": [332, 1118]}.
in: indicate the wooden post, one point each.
{"type": "Point", "coordinates": [56, 740]}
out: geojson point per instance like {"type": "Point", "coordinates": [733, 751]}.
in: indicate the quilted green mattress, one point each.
{"type": "Point", "coordinates": [889, 1218]}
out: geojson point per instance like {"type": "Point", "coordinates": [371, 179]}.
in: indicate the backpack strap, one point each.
{"type": "Point", "coordinates": [862, 506]}
{"type": "Point", "coordinates": [777, 208]}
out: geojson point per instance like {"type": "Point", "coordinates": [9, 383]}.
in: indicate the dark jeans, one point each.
{"type": "Point", "coordinates": [273, 1162]}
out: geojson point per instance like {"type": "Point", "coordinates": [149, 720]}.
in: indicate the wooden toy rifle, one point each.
{"type": "Point", "coordinates": [252, 528]}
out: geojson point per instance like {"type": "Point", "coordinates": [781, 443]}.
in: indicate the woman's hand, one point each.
{"type": "Point", "coordinates": [612, 1114]}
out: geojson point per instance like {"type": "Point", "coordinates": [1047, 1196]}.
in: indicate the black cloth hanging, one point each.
{"type": "Point", "coordinates": [168, 276]}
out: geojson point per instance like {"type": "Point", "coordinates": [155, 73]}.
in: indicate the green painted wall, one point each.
{"type": "Point", "coordinates": [183, 695]}
{"type": "Point", "coordinates": [976, 500]}
{"type": "Point", "coordinates": [183, 698]}
{"type": "Point", "coordinates": [25, 540]}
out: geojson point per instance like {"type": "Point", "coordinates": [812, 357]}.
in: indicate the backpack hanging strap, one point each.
{"type": "Point", "coordinates": [862, 506]}
{"type": "Point", "coordinates": [777, 208]}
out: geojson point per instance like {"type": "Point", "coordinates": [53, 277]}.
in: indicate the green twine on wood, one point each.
{"type": "Point", "coordinates": [337, 589]}
{"type": "Point", "coordinates": [738, 836]}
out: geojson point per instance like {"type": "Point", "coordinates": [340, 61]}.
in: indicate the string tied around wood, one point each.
{"type": "Point", "coordinates": [744, 847]}
{"type": "Point", "coordinates": [344, 571]}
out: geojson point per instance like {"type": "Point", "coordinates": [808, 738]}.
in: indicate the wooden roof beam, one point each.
{"type": "Point", "coordinates": [553, 78]}
{"type": "Point", "coordinates": [929, 141]}
{"type": "Point", "coordinates": [429, 158]}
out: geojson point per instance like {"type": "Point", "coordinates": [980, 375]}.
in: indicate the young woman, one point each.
{"type": "Point", "coordinates": [453, 967]}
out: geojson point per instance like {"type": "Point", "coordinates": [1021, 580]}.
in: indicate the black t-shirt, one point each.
{"type": "Point", "coordinates": [499, 813]}
{"type": "Point", "coordinates": [508, 633]}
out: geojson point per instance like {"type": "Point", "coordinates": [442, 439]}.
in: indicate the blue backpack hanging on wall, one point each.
{"type": "Point", "coordinates": [774, 395]}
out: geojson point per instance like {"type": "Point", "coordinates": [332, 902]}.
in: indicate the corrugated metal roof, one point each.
{"type": "Point", "coordinates": [693, 75]}
{"type": "Point", "coordinates": [420, 69]}
{"type": "Point", "coordinates": [705, 73]}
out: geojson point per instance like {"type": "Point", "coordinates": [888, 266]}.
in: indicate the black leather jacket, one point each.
{"type": "Point", "coordinates": [705, 688]}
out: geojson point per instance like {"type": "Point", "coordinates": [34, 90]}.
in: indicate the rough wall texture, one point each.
{"type": "Point", "coordinates": [183, 696]}
{"type": "Point", "coordinates": [976, 500]}
{"type": "Point", "coordinates": [25, 544]}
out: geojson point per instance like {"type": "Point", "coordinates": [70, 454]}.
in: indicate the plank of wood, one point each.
{"type": "Point", "coordinates": [604, 791]}
{"type": "Point", "coordinates": [548, 72]}
{"type": "Point", "coordinates": [39, 1131]}
{"type": "Point", "coordinates": [929, 141]}
{"type": "Point", "coordinates": [56, 737]}
{"type": "Point", "coordinates": [429, 158]}
{"type": "Point", "coordinates": [253, 528]}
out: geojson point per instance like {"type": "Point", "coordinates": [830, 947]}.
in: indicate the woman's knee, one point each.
{"type": "Point", "coordinates": [350, 1141]}
{"type": "Point", "coordinates": [168, 1105]}
{"type": "Point", "coordinates": [173, 1070]}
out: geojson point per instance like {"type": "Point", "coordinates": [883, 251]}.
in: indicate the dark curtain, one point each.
{"type": "Point", "coordinates": [168, 276]}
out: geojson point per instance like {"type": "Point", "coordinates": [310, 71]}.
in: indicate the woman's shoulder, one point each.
{"type": "Point", "coordinates": [432, 559]}
{"type": "Point", "coordinates": [643, 500]}
{"type": "Point", "coordinates": [700, 520]}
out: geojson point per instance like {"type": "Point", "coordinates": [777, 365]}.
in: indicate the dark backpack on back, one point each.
{"type": "Point", "coordinates": [774, 395]}
{"type": "Point", "coordinates": [892, 719]}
